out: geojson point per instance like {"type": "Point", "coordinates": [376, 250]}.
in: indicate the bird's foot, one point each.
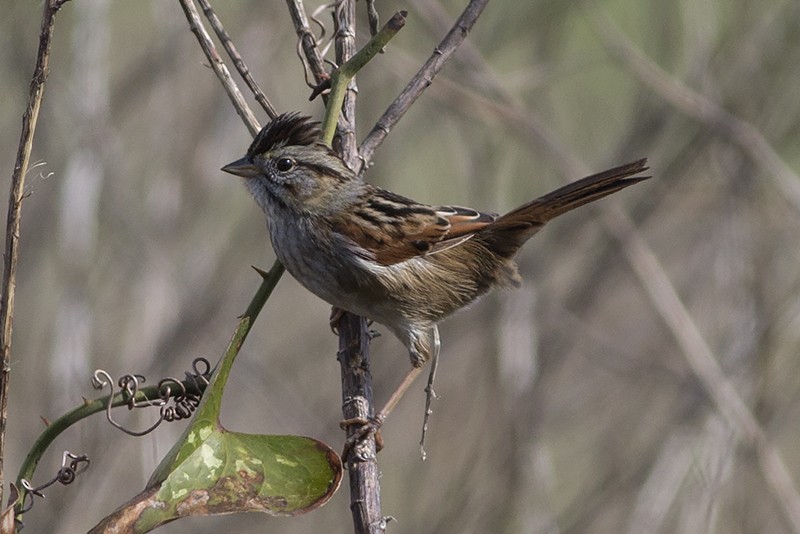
{"type": "Point", "coordinates": [364, 429]}
{"type": "Point", "coordinates": [336, 314]}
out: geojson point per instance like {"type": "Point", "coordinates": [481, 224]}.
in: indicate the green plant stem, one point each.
{"type": "Point", "coordinates": [270, 280]}
{"type": "Point", "coordinates": [341, 77]}
{"type": "Point", "coordinates": [89, 407]}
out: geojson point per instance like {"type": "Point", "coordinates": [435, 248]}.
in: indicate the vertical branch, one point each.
{"type": "Point", "coordinates": [357, 401]}
{"type": "Point", "coordinates": [29, 121]}
{"type": "Point", "coordinates": [341, 77]}
{"type": "Point", "coordinates": [345, 43]}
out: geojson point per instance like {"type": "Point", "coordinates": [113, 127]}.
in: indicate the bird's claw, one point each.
{"type": "Point", "coordinates": [336, 315]}
{"type": "Point", "coordinates": [366, 427]}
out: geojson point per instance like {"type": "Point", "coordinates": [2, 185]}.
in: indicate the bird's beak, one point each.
{"type": "Point", "coordinates": [242, 167]}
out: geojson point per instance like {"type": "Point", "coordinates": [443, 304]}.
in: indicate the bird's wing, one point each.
{"type": "Point", "coordinates": [388, 228]}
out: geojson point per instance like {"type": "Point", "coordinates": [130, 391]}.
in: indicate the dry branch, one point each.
{"type": "Point", "coordinates": [29, 120]}
{"type": "Point", "coordinates": [421, 81]}
{"type": "Point", "coordinates": [238, 62]}
{"type": "Point", "coordinates": [222, 72]}
{"type": "Point", "coordinates": [307, 41]}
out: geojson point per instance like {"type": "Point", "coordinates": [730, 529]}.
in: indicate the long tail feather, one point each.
{"type": "Point", "coordinates": [510, 231]}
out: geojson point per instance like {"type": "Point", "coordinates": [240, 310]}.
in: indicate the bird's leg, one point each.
{"type": "Point", "coordinates": [374, 423]}
{"type": "Point", "coordinates": [430, 394]}
{"type": "Point", "coordinates": [420, 351]}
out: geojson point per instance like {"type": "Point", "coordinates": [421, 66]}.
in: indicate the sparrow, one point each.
{"type": "Point", "coordinates": [383, 256]}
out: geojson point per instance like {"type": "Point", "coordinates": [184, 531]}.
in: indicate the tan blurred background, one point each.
{"type": "Point", "coordinates": [568, 406]}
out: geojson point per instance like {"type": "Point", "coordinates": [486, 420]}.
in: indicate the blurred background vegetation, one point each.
{"type": "Point", "coordinates": [567, 406]}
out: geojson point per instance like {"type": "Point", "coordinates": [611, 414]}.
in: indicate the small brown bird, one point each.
{"type": "Point", "coordinates": [377, 254]}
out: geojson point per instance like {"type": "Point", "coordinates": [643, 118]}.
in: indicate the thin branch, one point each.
{"type": "Point", "coordinates": [307, 40]}
{"type": "Point", "coordinates": [222, 72]}
{"type": "Point", "coordinates": [344, 15]}
{"type": "Point", "coordinates": [373, 18]}
{"type": "Point", "coordinates": [238, 62]}
{"type": "Point", "coordinates": [702, 108]}
{"type": "Point", "coordinates": [354, 338]}
{"type": "Point", "coordinates": [421, 81]}
{"type": "Point", "coordinates": [243, 110]}
{"type": "Point", "coordinates": [29, 120]}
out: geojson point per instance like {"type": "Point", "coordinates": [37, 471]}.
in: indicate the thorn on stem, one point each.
{"type": "Point", "coordinates": [264, 274]}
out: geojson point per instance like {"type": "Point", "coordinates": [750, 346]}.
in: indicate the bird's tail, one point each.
{"type": "Point", "coordinates": [510, 231]}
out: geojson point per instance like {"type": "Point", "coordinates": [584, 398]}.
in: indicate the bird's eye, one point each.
{"type": "Point", "coordinates": [284, 164]}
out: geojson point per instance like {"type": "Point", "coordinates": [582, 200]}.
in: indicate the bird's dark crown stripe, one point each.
{"type": "Point", "coordinates": [288, 129]}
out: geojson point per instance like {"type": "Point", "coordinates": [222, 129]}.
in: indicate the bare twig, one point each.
{"type": "Point", "coordinates": [372, 17]}
{"type": "Point", "coordinates": [702, 108]}
{"type": "Point", "coordinates": [238, 62]}
{"type": "Point", "coordinates": [307, 40]}
{"type": "Point", "coordinates": [29, 121]}
{"type": "Point", "coordinates": [222, 72]}
{"type": "Point", "coordinates": [421, 80]}
{"type": "Point", "coordinates": [345, 44]}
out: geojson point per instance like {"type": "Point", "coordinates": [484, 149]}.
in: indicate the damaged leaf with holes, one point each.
{"type": "Point", "coordinates": [233, 472]}
{"type": "Point", "coordinates": [229, 472]}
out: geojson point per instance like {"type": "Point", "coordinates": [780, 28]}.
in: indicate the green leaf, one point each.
{"type": "Point", "coordinates": [229, 472]}
{"type": "Point", "coordinates": [232, 472]}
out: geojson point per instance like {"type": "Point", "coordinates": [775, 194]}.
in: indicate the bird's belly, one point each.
{"type": "Point", "coordinates": [334, 276]}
